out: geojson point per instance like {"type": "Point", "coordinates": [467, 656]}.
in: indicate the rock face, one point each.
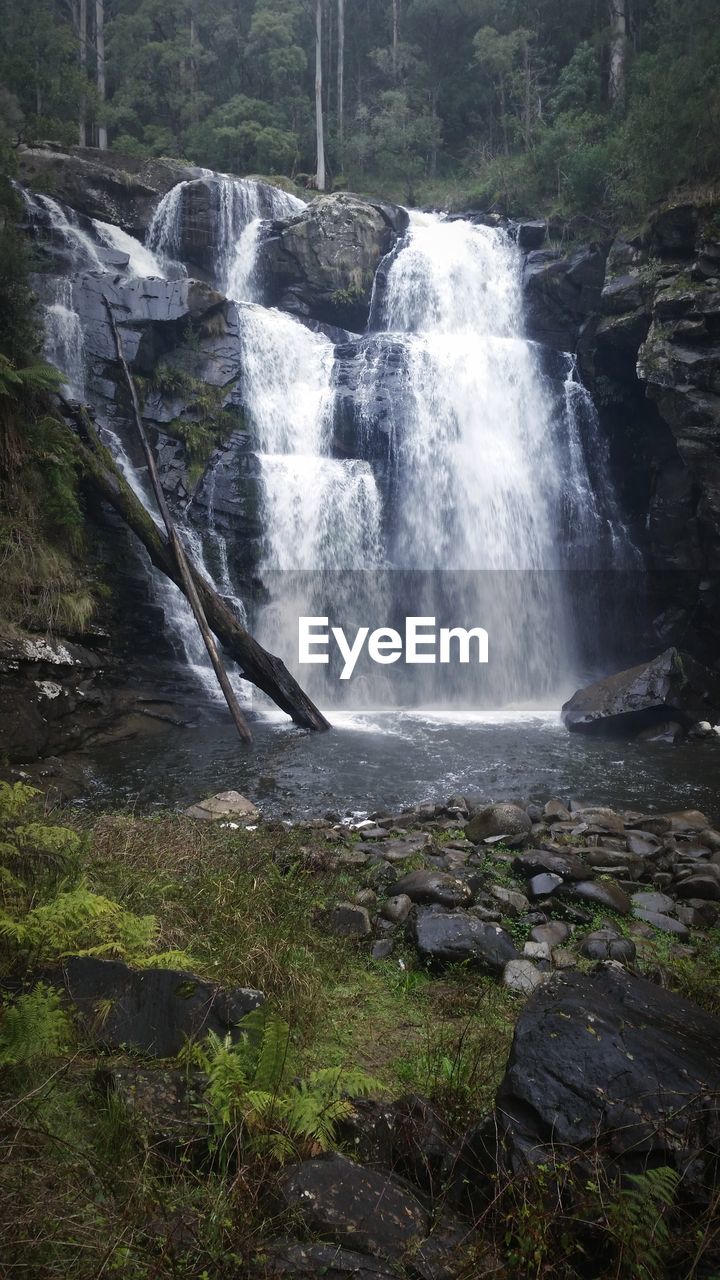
{"type": "Point", "coordinates": [561, 293]}
{"type": "Point", "coordinates": [153, 1011]}
{"type": "Point", "coordinates": [116, 188]}
{"type": "Point", "coordinates": [615, 1060]}
{"type": "Point", "coordinates": [672, 686]}
{"type": "Point", "coordinates": [651, 355]}
{"type": "Point", "coordinates": [321, 264]}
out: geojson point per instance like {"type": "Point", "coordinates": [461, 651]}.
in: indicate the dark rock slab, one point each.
{"type": "Point", "coordinates": [165, 1105]}
{"type": "Point", "coordinates": [665, 923]}
{"type": "Point", "coordinates": [363, 1209]}
{"type": "Point", "coordinates": [153, 1011]}
{"type": "Point", "coordinates": [555, 933]}
{"type": "Point", "coordinates": [566, 865]}
{"type": "Point", "coordinates": [611, 1059]}
{"type": "Point", "coordinates": [601, 893]}
{"type": "Point", "coordinates": [454, 936]}
{"type": "Point", "coordinates": [700, 885]}
{"type": "Point", "coordinates": [309, 1261]}
{"type": "Point", "coordinates": [349, 920]}
{"type": "Point", "coordinates": [544, 884]}
{"type": "Point", "coordinates": [673, 683]}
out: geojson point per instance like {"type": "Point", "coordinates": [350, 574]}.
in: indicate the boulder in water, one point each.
{"type": "Point", "coordinates": [321, 263]}
{"type": "Point", "coordinates": [672, 685]}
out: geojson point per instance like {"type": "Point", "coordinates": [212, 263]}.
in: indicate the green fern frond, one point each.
{"type": "Point", "coordinates": [33, 1026]}
{"type": "Point", "coordinates": [636, 1219]}
{"type": "Point", "coordinates": [272, 1060]}
{"type": "Point", "coordinates": [15, 798]}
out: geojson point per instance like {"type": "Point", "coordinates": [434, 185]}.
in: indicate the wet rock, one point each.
{"type": "Point", "coordinates": [648, 901]}
{"type": "Point", "coordinates": [696, 914]}
{"type": "Point", "coordinates": [555, 932]}
{"type": "Point", "coordinates": [308, 1261]}
{"type": "Point", "coordinates": [566, 865]}
{"type": "Point", "coordinates": [401, 850]}
{"type": "Point", "coordinates": [642, 844]}
{"type": "Point", "coordinates": [700, 885]}
{"type": "Point", "coordinates": [665, 923]}
{"type": "Point", "coordinates": [513, 902]}
{"type": "Point", "coordinates": [153, 1011]}
{"type": "Point", "coordinates": [397, 909]}
{"type": "Point", "coordinates": [359, 1208]}
{"type": "Point", "coordinates": [644, 695]}
{"type": "Point", "coordinates": [606, 944]}
{"type": "Point", "coordinates": [382, 949]}
{"type": "Point", "coordinates": [557, 810]}
{"type": "Point", "coordinates": [612, 1061]}
{"type": "Point", "coordinates": [433, 887]}
{"type": "Point", "coordinates": [454, 937]}
{"type": "Point", "coordinates": [165, 1105]}
{"type": "Point", "coordinates": [543, 885]}
{"type": "Point", "coordinates": [601, 893]}
{"type": "Point", "coordinates": [537, 950]}
{"type": "Point", "coordinates": [321, 263]}
{"type": "Point", "coordinates": [226, 804]}
{"type": "Point", "coordinates": [522, 976]}
{"type": "Point", "coordinates": [508, 821]}
{"type": "Point", "coordinates": [349, 920]}
{"type": "Point", "coordinates": [561, 293]}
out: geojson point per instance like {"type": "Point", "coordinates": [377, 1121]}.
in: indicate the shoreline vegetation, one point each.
{"type": "Point", "coordinates": [379, 1057]}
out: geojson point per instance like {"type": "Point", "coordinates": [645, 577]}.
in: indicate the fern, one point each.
{"type": "Point", "coordinates": [15, 800]}
{"type": "Point", "coordinates": [247, 1090]}
{"type": "Point", "coordinates": [636, 1217]}
{"type": "Point", "coordinates": [33, 1026]}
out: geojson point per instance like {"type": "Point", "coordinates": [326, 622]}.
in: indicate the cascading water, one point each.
{"type": "Point", "coordinates": [477, 472]}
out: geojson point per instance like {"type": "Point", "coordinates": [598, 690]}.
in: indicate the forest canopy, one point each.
{"type": "Point", "coordinates": [589, 107]}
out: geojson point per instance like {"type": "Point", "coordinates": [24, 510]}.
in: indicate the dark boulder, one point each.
{"type": "Point", "coordinates": [673, 684]}
{"type": "Point", "coordinates": [496, 821]}
{"type": "Point", "coordinates": [567, 865]}
{"type": "Point", "coordinates": [599, 893]}
{"type": "Point", "coordinates": [152, 1011]}
{"type": "Point", "coordinates": [454, 937]}
{"type": "Point", "coordinates": [321, 263]}
{"type": "Point", "coordinates": [612, 1060]}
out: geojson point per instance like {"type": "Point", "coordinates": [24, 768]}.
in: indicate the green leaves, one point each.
{"type": "Point", "coordinates": [33, 1026]}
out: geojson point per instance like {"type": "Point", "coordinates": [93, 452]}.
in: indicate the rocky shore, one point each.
{"type": "Point", "coordinates": [542, 981]}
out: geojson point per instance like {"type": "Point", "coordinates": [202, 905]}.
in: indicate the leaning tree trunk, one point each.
{"type": "Point", "coordinates": [319, 132]}
{"type": "Point", "coordinates": [267, 672]}
{"type": "Point", "coordinates": [181, 559]}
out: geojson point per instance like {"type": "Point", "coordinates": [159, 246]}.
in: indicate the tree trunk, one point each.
{"type": "Point", "coordinates": [100, 55]}
{"type": "Point", "coordinates": [188, 584]}
{"type": "Point", "coordinates": [82, 58]}
{"type": "Point", "coordinates": [267, 672]}
{"type": "Point", "coordinates": [193, 72]}
{"type": "Point", "coordinates": [320, 171]}
{"type": "Point", "coordinates": [395, 37]}
{"type": "Point", "coordinates": [618, 42]}
{"type": "Point", "coordinates": [341, 75]}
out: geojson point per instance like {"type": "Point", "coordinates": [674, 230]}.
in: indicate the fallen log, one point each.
{"type": "Point", "coordinates": [178, 549]}
{"type": "Point", "coordinates": [266, 671]}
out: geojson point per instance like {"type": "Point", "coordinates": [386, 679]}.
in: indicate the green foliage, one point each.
{"type": "Point", "coordinates": [248, 1092]}
{"type": "Point", "coordinates": [33, 1026]}
{"type": "Point", "coordinates": [47, 908]}
{"type": "Point", "coordinates": [207, 423]}
{"type": "Point", "coordinates": [636, 1217]}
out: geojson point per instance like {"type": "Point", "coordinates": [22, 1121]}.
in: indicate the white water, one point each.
{"type": "Point", "coordinates": [142, 262]}
{"type": "Point", "coordinates": [64, 344]}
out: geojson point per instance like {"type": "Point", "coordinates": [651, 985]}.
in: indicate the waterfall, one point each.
{"type": "Point", "coordinates": [240, 207]}
{"type": "Point", "coordinates": [142, 262]}
{"type": "Point", "coordinates": [64, 344]}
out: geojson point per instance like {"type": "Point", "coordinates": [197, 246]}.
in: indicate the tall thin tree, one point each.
{"type": "Point", "coordinates": [618, 43]}
{"type": "Point", "coordinates": [82, 22]}
{"type": "Point", "coordinates": [341, 74]}
{"type": "Point", "coordinates": [319, 129]}
{"type": "Point", "coordinates": [102, 137]}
